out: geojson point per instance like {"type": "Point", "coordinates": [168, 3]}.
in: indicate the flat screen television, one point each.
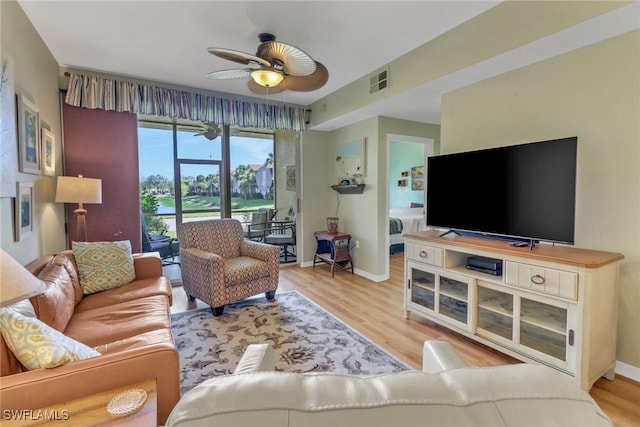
{"type": "Point", "coordinates": [522, 192]}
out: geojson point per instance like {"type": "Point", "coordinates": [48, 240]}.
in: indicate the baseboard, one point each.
{"type": "Point", "coordinates": [628, 371]}
{"type": "Point", "coordinates": [372, 277]}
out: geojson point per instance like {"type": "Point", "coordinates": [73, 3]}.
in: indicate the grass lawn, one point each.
{"type": "Point", "coordinates": [208, 203]}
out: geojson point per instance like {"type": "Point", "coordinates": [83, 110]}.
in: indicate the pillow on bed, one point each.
{"type": "Point", "coordinates": [405, 212]}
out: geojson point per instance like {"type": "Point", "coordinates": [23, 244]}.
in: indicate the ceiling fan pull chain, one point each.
{"type": "Point", "coordinates": [268, 112]}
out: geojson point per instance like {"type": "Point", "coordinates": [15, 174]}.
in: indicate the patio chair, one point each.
{"type": "Point", "coordinates": [283, 234]}
{"type": "Point", "coordinates": [260, 223]}
{"type": "Point", "coordinates": [220, 266]}
{"type": "Point", "coordinates": [166, 246]}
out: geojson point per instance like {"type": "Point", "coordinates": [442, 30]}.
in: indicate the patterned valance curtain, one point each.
{"type": "Point", "coordinates": [124, 96]}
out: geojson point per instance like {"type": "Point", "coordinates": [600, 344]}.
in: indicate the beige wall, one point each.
{"type": "Point", "coordinates": [506, 26]}
{"type": "Point", "coordinates": [36, 77]}
{"type": "Point", "coordinates": [286, 144]}
{"type": "Point", "coordinates": [593, 93]}
{"type": "Point", "coordinates": [358, 213]}
{"type": "Point", "coordinates": [316, 198]}
{"type": "Point", "coordinates": [361, 215]}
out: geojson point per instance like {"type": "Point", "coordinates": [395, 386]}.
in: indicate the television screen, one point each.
{"type": "Point", "coordinates": [522, 191]}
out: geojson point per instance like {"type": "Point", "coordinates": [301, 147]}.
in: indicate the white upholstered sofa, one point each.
{"type": "Point", "coordinates": [446, 393]}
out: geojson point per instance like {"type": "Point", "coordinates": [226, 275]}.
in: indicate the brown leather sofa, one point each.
{"type": "Point", "coordinates": [129, 326]}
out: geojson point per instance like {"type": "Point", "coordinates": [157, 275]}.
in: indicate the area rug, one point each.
{"type": "Point", "coordinates": [304, 336]}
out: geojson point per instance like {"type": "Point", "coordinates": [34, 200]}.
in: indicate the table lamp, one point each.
{"type": "Point", "coordinates": [16, 282]}
{"type": "Point", "coordinates": [80, 190]}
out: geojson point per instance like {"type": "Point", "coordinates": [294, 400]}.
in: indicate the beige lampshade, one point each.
{"type": "Point", "coordinates": [77, 189]}
{"type": "Point", "coordinates": [16, 282]}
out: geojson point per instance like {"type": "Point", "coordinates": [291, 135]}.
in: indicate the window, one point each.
{"type": "Point", "coordinates": [182, 173]}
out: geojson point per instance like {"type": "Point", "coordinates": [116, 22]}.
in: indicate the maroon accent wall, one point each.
{"type": "Point", "coordinates": [104, 144]}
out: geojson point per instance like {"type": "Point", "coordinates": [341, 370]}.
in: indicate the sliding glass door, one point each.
{"type": "Point", "coordinates": [197, 171]}
{"type": "Point", "coordinates": [199, 195]}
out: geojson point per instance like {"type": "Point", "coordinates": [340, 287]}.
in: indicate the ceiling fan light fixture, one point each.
{"type": "Point", "coordinates": [267, 78]}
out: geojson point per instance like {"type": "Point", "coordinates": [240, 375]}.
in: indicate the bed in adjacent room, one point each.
{"type": "Point", "coordinates": [403, 220]}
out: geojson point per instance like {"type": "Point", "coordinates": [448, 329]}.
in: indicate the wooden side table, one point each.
{"type": "Point", "coordinates": [333, 249]}
{"type": "Point", "coordinates": [89, 410]}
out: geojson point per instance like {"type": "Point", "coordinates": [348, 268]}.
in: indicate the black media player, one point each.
{"type": "Point", "coordinates": [485, 265]}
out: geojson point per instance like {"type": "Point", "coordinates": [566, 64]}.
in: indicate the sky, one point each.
{"type": "Point", "coordinates": [156, 152]}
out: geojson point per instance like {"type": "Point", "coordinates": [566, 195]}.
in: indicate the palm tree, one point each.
{"type": "Point", "coordinates": [247, 178]}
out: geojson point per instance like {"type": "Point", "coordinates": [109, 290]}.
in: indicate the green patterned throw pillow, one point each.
{"type": "Point", "coordinates": [36, 345]}
{"type": "Point", "coordinates": [104, 265]}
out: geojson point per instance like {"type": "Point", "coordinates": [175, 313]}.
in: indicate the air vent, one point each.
{"type": "Point", "coordinates": [379, 81]}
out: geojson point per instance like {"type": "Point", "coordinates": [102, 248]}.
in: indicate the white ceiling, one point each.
{"type": "Point", "coordinates": [167, 41]}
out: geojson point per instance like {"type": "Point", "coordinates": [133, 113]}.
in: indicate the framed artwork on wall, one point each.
{"type": "Point", "coordinates": [48, 152]}
{"type": "Point", "coordinates": [350, 158]}
{"type": "Point", "coordinates": [417, 178]}
{"type": "Point", "coordinates": [28, 136]}
{"type": "Point", "coordinates": [23, 210]}
{"type": "Point", "coordinates": [290, 172]}
{"type": "Point", "coordinates": [8, 139]}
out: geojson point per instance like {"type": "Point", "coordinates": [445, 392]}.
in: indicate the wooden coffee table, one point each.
{"type": "Point", "coordinates": [89, 410]}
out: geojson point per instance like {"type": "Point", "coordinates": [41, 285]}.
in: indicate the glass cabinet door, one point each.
{"type": "Point", "coordinates": [422, 287]}
{"type": "Point", "coordinates": [453, 299]}
{"type": "Point", "coordinates": [495, 313]}
{"type": "Point", "coordinates": [543, 327]}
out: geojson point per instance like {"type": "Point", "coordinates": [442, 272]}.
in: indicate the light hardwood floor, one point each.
{"type": "Point", "coordinates": [375, 310]}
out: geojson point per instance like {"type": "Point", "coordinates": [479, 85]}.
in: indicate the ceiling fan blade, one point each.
{"type": "Point", "coordinates": [295, 61]}
{"type": "Point", "coordinates": [261, 90]}
{"type": "Point", "coordinates": [237, 56]}
{"type": "Point", "coordinates": [209, 130]}
{"type": "Point", "coordinates": [307, 83]}
{"type": "Point", "coordinates": [235, 73]}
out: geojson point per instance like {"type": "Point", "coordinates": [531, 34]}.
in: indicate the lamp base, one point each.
{"type": "Point", "coordinates": [81, 225]}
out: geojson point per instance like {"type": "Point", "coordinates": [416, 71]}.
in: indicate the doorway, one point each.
{"type": "Point", "coordinates": [198, 184]}
{"type": "Point", "coordinates": [406, 190]}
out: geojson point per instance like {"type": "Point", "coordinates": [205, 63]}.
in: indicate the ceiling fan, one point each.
{"type": "Point", "coordinates": [210, 131]}
{"type": "Point", "coordinates": [275, 67]}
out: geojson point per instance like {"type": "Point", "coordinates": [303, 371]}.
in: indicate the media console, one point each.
{"type": "Point", "coordinates": [552, 305]}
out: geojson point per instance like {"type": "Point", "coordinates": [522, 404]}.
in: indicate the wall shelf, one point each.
{"type": "Point", "coordinates": [349, 189]}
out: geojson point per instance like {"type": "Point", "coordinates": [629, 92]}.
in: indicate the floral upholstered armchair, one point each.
{"type": "Point", "coordinates": [219, 266]}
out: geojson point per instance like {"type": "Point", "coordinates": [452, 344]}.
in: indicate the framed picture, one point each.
{"type": "Point", "coordinates": [417, 178]}
{"type": "Point", "coordinates": [8, 139]}
{"type": "Point", "coordinates": [350, 158]}
{"type": "Point", "coordinates": [402, 183]}
{"type": "Point", "coordinates": [28, 136]}
{"type": "Point", "coordinates": [290, 171]}
{"type": "Point", "coordinates": [48, 152]}
{"type": "Point", "coordinates": [24, 210]}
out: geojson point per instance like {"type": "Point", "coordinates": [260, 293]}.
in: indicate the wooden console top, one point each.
{"type": "Point", "coordinates": [548, 252]}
